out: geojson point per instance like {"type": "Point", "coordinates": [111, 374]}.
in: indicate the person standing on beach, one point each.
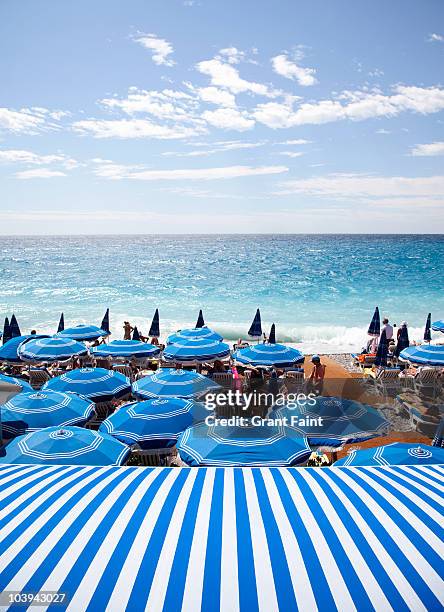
{"type": "Point", "coordinates": [127, 330]}
{"type": "Point", "coordinates": [388, 329]}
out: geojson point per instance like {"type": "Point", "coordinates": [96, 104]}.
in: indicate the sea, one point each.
{"type": "Point", "coordinates": [319, 290]}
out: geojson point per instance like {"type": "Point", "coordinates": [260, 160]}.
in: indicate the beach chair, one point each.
{"type": "Point", "coordinates": [103, 362]}
{"type": "Point", "coordinates": [154, 458]}
{"type": "Point", "coordinates": [126, 370]}
{"type": "Point", "coordinates": [427, 382]}
{"type": "Point", "coordinates": [294, 380]}
{"type": "Point", "coordinates": [247, 381]}
{"type": "Point", "coordinates": [387, 381]}
{"type": "Point", "coordinates": [37, 378]}
{"type": "Point", "coordinates": [223, 378]}
{"type": "Point", "coordinates": [103, 410]}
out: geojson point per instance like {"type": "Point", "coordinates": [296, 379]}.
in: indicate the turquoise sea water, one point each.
{"type": "Point", "coordinates": [319, 290]}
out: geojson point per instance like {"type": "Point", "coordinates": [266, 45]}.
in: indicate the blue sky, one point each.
{"type": "Point", "coordinates": [204, 116]}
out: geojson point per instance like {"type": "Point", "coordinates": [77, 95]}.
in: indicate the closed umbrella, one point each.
{"type": "Point", "coordinates": [34, 410]}
{"type": "Point", "coordinates": [61, 325]}
{"type": "Point", "coordinates": [397, 453]}
{"type": "Point", "coordinates": [168, 382]}
{"type": "Point", "coordinates": [83, 333]}
{"type": "Point", "coordinates": [155, 423]}
{"type": "Point", "coordinates": [375, 324]}
{"type": "Point", "coordinates": [51, 349]}
{"type": "Point", "coordinates": [136, 335]}
{"type": "Point", "coordinates": [403, 339]}
{"type": "Point", "coordinates": [200, 320]}
{"type": "Point", "coordinates": [125, 349]}
{"type": "Point", "coordinates": [14, 327]}
{"type": "Point", "coordinates": [427, 332]}
{"type": "Point", "coordinates": [382, 352]}
{"type": "Point", "coordinates": [272, 336]}
{"type": "Point", "coordinates": [6, 331]}
{"type": "Point", "coordinates": [97, 384]}
{"type": "Point", "coordinates": [65, 446]}
{"type": "Point", "coordinates": [195, 350]}
{"type": "Point", "coordinates": [155, 326]}
{"type": "Point", "coordinates": [105, 322]}
{"type": "Point", "coordinates": [197, 333]}
{"type": "Point", "coordinates": [255, 330]}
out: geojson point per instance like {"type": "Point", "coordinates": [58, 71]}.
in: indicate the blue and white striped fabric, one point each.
{"type": "Point", "coordinates": [126, 349]}
{"type": "Point", "coordinates": [198, 333]}
{"type": "Point", "coordinates": [97, 384]}
{"type": "Point", "coordinates": [38, 409]}
{"type": "Point", "coordinates": [425, 354]}
{"type": "Point", "coordinates": [155, 423]}
{"type": "Point", "coordinates": [22, 385]}
{"type": "Point", "coordinates": [395, 454]}
{"type": "Point", "coordinates": [438, 326]}
{"type": "Point", "coordinates": [343, 421]}
{"type": "Point", "coordinates": [9, 351]}
{"type": "Point", "coordinates": [83, 332]}
{"type": "Point", "coordinates": [277, 355]}
{"type": "Point", "coordinates": [225, 539]}
{"type": "Point", "coordinates": [50, 349]}
{"type": "Point", "coordinates": [220, 445]}
{"type": "Point", "coordinates": [168, 382]}
{"type": "Point", "coordinates": [65, 446]}
{"type": "Point", "coordinates": [199, 350]}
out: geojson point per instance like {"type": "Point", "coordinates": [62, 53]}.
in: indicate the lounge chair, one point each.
{"type": "Point", "coordinates": [223, 378]}
{"type": "Point", "coordinates": [126, 370]}
{"type": "Point", "coordinates": [294, 380]}
{"type": "Point", "coordinates": [387, 380]}
{"type": "Point", "coordinates": [37, 378]}
{"type": "Point", "coordinates": [152, 458]}
{"type": "Point", "coordinates": [427, 382]}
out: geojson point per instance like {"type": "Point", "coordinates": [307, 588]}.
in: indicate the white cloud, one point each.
{"type": "Point", "coordinates": [297, 141]}
{"type": "Point", "coordinates": [166, 104]}
{"type": "Point", "coordinates": [290, 70]}
{"type": "Point", "coordinates": [159, 46]}
{"type": "Point", "coordinates": [22, 121]}
{"type": "Point", "coordinates": [218, 147]}
{"type": "Point", "coordinates": [133, 128]}
{"type": "Point", "coordinates": [19, 156]}
{"type": "Point", "coordinates": [426, 150]}
{"type": "Point", "coordinates": [38, 173]}
{"type": "Point", "coordinates": [218, 96]}
{"type": "Point", "coordinates": [291, 153]}
{"type": "Point", "coordinates": [228, 119]}
{"type": "Point", "coordinates": [225, 75]}
{"type": "Point", "coordinates": [232, 55]}
{"type": "Point", "coordinates": [436, 38]}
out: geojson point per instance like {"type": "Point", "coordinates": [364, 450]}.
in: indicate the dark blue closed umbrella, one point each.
{"type": "Point", "coordinates": [61, 325]}
{"type": "Point", "coordinates": [136, 335]}
{"type": "Point", "coordinates": [381, 354]}
{"type": "Point", "coordinates": [272, 336]}
{"type": "Point", "coordinates": [14, 326]}
{"type": "Point", "coordinates": [375, 324]}
{"type": "Point", "coordinates": [427, 330]}
{"type": "Point", "coordinates": [403, 340]}
{"type": "Point", "coordinates": [155, 326]}
{"type": "Point", "coordinates": [200, 320]}
{"type": "Point", "coordinates": [105, 322]}
{"type": "Point", "coordinates": [6, 331]}
{"type": "Point", "coordinates": [255, 330]}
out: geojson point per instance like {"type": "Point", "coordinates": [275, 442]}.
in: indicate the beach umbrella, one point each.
{"type": "Point", "coordinates": [136, 335]}
{"type": "Point", "coordinates": [83, 333]}
{"type": "Point", "coordinates": [14, 327]}
{"type": "Point", "coordinates": [61, 325]}
{"type": "Point", "coordinates": [97, 384]}
{"type": "Point", "coordinates": [403, 340]}
{"type": "Point", "coordinates": [51, 349]}
{"type": "Point", "coordinates": [10, 386]}
{"type": "Point", "coordinates": [105, 322]}
{"type": "Point", "coordinates": [200, 320]}
{"type": "Point", "coordinates": [6, 331]}
{"type": "Point", "coordinates": [382, 352]}
{"type": "Point", "coordinates": [272, 336]}
{"type": "Point", "coordinates": [65, 446]}
{"type": "Point", "coordinates": [427, 333]}
{"type": "Point", "coordinates": [397, 453]}
{"type": "Point", "coordinates": [155, 423]}
{"type": "Point", "coordinates": [424, 354]}
{"type": "Point", "coordinates": [125, 349]}
{"type": "Point", "coordinates": [375, 325]}
{"type": "Point", "coordinates": [218, 445]}
{"type": "Point", "coordinates": [255, 330]}
{"type": "Point", "coordinates": [155, 326]}
{"type": "Point", "coordinates": [197, 333]}
{"type": "Point", "coordinates": [438, 326]}
{"type": "Point", "coordinates": [168, 382]}
{"type": "Point", "coordinates": [196, 350]}
{"type": "Point", "coordinates": [9, 351]}
{"type": "Point", "coordinates": [34, 410]}
{"type": "Point", "coordinates": [267, 355]}
{"type": "Point", "coordinates": [333, 421]}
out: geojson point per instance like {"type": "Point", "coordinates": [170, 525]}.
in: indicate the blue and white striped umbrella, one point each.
{"type": "Point", "coordinates": [83, 332]}
{"type": "Point", "coordinates": [268, 355]}
{"type": "Point", "coordinates": [397, 453]}
{"type": "Point", "coordinates": [38, 409]}
{"type": "Point", "coordinates": [334, 421]}
{"type": "Point", "coordinates": [438, 326]}
{"type": "Point", "coordinates": [155, 423]}
{"type": "Point", "coordinates": [219, 445]}
{"type": "Point", "coordinates": [126, 538]}
{"type": "Point", "coordinates": [425, 354]}
{"type": "Point", "coordinates": [22, 385]}
{"type": "Point", "coordinates": [125, 349]}
{"type": "Point", "coordinates": [66, 446]}
{"type": "Point", "coordinates": [9, 351]}
{"type": "Point", "coordinates": [97, 384]}
{"type": "Point", "coordinates": [197, 333]}
{"type": "Point", "coordinates": [168, 382]}
{"type": "Point", "coordinates": [50, 349]}
{"type": "Point", "coordinates": [196, 350]}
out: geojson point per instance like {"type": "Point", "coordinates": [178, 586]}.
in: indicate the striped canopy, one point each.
{"type": "Point", "coordinates": [426, 354]}
{"type": "Point", "coordinates": [154, 423]}
{"type": "Point", "coordinates": [343, 421]}
{"type": "Point", "coordinates": [395, 454]}
{"type": "Point", "coordinates": [168, 382]}
{"type": "Point", "coordinates": [221, 445]}
{"type": "Point", "coordinates": [97, 384]}
{"type": "Point", "coordinates": [50, 349]}
{"type": "Point", "coordinates": [200, 333]}
{"type": "Point", "coordinates": [65, 446]}
{"type": "Point", "coordinates": [438, 326]}
{"type": "Point", "coordinates": [225, 539]}
{"type": "Point", "coordinates": [268, 355]}
{"type": "Point", "coordinates": [196, 350]}
{"type": "Point", "coordinates": [38, 409]}
{"type": "Point", "coordinates": [9, 351]}
{"type": "Point", "coordinates": [19, 383]}
{"type": "Point", "coordinates": [125, 349]}
{"type": "Point", "coordinates": [83, 332]}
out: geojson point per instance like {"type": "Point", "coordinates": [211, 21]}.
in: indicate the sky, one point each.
{"type": "Point", "coordinates": [206, 116]}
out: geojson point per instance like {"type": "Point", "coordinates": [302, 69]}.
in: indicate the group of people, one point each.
{"type": "Point", "coordinates": [395, 346]}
